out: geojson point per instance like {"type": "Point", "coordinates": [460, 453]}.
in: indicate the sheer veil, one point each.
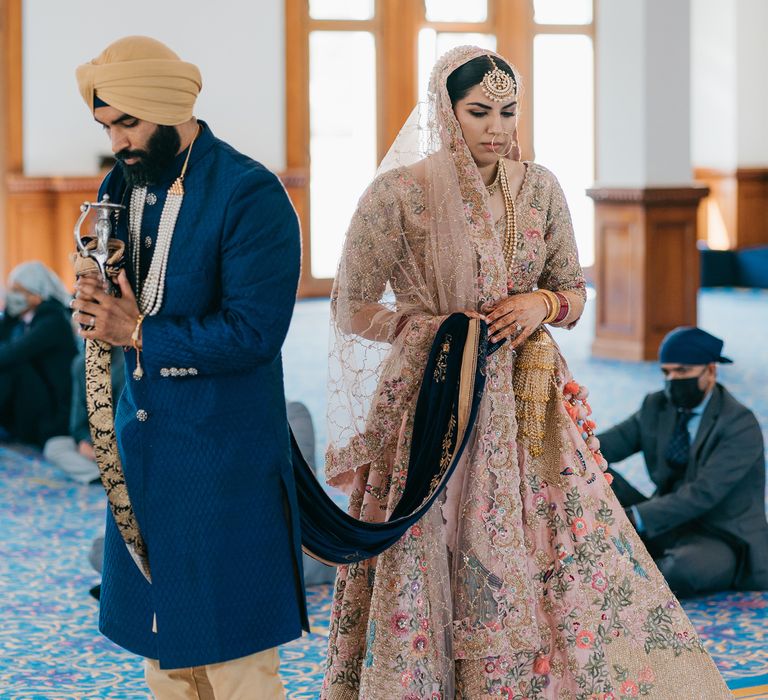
{"type": "Point", "coordinates": [403, 279]}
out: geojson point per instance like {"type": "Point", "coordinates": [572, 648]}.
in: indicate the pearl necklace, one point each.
{"type": "Point", "coordinates": [509, 246]}
{"type": "Point", "coordinates": [151, 290]}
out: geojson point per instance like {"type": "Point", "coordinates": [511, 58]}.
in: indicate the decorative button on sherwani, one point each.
{"type": "Point", "coordinates": [141, 415]}
{"type": "Point", "coordinates": [178, 372]}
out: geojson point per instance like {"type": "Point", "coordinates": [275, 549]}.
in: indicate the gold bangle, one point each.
{"type": "Point", "coordinates": [553, 306]}
{"type": "Point", "coordinates": [547, 303]}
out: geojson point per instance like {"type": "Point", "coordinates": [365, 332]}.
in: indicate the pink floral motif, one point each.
{"type": "Point", "coordinates": [579, 527]}
{"type": "Point", "coordinates": [585, 639]}
{"type": "Point", "coordinates": [602, 529]}
{"type": "Point", "coordinates": [646, 675]}
{"type": "Point", "coordinates": [599, 582]}
{"type": "Point", "coordinates": [420, 644]}
{"type": "Point", "coordinates": [398, 623]}
{"type": "Point", "coordinates": [630, 689]}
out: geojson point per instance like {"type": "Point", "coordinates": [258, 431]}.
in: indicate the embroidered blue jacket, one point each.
{"type": "Point", "coordinates": [203, 436]}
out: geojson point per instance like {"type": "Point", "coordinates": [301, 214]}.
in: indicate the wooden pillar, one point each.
{"type": "Point", "coordinates": [646, 266]}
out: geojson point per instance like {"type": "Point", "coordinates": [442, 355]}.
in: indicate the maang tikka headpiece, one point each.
{"type": "Point", "coordinates": [497, 84]}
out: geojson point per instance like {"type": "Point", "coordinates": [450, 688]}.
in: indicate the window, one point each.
{"type": "Point", "coordinates": [342, 143]}
{"type": "Point", "coordinates": [562, 12]}
{"type": "Point", "coordinates": [341, 9]}
{"type": "Point", "coordinates": [456, 10]}
{"type": "Point", "coordinates": [355, 69]}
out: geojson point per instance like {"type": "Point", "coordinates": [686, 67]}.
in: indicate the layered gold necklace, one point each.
{"type": "Point", "coordinates": [509, 243]}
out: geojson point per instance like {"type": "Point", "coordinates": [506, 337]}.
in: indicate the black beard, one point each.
{"type": "Point", "coordinates": [162, 147]}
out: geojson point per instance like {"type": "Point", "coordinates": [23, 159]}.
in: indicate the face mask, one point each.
{"type": "Point", "coordinates": [684, 393]}
{"type": "Point", "coordinates": [16, 303]}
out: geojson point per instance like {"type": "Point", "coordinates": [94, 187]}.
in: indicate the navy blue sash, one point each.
{"type": "Point", "coordinates": [446, 410]}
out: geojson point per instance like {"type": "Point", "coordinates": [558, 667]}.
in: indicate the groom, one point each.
{"type": "Point", "coordinates": [212, 268]}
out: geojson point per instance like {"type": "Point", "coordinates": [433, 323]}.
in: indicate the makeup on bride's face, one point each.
{"type": "Point", "coordinates": [487, 126]}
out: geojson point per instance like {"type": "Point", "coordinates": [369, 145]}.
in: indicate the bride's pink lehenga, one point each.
{"type": "Point", "coordinates": [526, 581]}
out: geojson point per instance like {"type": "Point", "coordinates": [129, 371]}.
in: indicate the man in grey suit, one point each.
{"type": "Point", "coordinates": [705, 525]}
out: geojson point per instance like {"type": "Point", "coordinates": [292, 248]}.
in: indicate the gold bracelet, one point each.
{"type": "Point", "coordinates": [547, 303]}
{"type": "Point", "coordinates": [138, 373]}
{"type": "Point", "coordinates": [553, 305]}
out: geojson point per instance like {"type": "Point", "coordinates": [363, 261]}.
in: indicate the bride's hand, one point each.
{"type": "Point", "coordinates": [516, 317]}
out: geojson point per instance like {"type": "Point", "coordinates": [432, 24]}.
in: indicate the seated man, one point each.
{"type": "Point", "coordinates": [705, 525]}
{"type": "Point", "coordinates": [36, 350]}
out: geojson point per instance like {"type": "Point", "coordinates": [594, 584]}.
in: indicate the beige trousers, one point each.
{"type": "Point", "coordinates": [253, 677]}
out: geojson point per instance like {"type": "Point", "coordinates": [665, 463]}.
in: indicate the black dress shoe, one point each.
{"type": "Point", "coordinates": [96, 591]}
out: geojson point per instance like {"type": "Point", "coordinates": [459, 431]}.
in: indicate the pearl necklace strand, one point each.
{"type": "Point", "coordinates": [151, 290]}
{"type": "Point", "coordinates": [509, 246]}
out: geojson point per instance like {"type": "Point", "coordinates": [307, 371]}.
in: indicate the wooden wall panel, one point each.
{"type": "Point", "coordinates": [646, 267]}
{"type": "Point", "coordinates": [616, 246]}
{"type": "Point", "coordinates": [752, 203]}
{"type": "Point", "coordinates": [31, 223]}
{"type": "Point", "coordinates": [42, 213]}
{"type": "Point", "coordinates": [735, 214]}
{"type": "Point", "coordinates": [670, 271]}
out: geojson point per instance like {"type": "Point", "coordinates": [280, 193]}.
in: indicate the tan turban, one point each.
{"type": "Point", "coordinates": [142, 77]}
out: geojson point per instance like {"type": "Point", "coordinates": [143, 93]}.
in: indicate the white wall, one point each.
{"type": "Point", "coordinates": [729, 97]}
{"type": "Point", "coordinates": [238, 46]}
{"type": "Point", "coordinates": [713, 84]}
{"type": "Point", "coordinates": [619, 87]}
{"type": "Point", "coordinates": [643, 93]}
{"type": "Point", "coordinates": [667, 92]}
{"type": "Point", "coordinates": [752, 61]}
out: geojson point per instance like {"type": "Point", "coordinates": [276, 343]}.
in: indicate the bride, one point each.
{"type": "Point", "coordinates": [525, 580]}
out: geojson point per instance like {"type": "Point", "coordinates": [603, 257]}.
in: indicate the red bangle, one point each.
{"type": "Point", "coordinates": [565, 307]}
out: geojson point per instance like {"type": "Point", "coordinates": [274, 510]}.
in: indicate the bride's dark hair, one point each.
{"type": "Point", "coordinates": [471, 73]}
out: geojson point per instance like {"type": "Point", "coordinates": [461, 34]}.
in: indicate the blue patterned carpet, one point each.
{"type": "Point", "coordinates": [49, 644]}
